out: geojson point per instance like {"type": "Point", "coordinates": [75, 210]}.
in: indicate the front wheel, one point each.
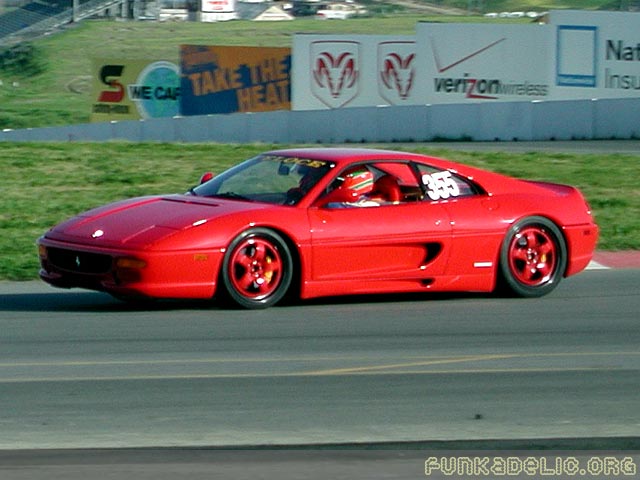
{"type": "Point", "coordinates": [533, 257]}
{"type": "Point", "coordinates": [257, 269]}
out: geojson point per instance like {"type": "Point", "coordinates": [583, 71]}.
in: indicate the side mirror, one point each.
{"type": "Point", "coordinates": [284, 170]}
{"type": "Point", "coordinates": [206, 177]}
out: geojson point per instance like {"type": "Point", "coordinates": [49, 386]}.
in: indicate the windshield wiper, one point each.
{"type": "Point", "coordinates": [232, 195]}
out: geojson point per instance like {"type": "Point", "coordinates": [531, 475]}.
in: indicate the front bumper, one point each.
{"type": "Point", "coordinates": [158, 274]}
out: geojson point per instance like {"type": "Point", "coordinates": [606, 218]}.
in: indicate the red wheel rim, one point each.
{"type": "Point", "coordinates": [533, 256]}
{"type": "Point", "coordinates": [255, 268]}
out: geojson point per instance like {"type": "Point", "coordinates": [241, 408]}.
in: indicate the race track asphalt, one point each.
{"type": "Point", "coordinates": [93, 388]}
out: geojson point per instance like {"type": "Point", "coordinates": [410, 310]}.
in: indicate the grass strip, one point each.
{"type": "Point", "coordinates": [43, 184]}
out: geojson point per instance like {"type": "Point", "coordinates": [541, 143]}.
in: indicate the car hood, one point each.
{"type": "Point", "coordinates": [141, 222]}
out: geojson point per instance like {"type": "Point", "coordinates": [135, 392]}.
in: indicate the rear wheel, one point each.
{"type": "Point", "coordinates": [533, 257]}
{"type": "Point", "coordinates": [257, 269]}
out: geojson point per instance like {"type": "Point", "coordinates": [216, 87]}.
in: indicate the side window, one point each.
{"type": "Point", "coordinates": [396, 182]}
{"type": "Point", "coordinates": [444, 184]}
{"type": "Point", "coordinates": [373, 184]}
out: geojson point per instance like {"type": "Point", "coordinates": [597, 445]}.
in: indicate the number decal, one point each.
{"type": "Point", "coordinates": [441, 185]}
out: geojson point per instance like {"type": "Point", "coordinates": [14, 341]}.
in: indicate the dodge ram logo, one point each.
{"type": "Point", "coordinates": [335, 72]}
{"type": "Point", "coordinates": [397, 70]}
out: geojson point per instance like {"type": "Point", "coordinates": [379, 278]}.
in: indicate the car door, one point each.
{"type": "Point", "coordinates": [477, 227]}
{"type": "Point", "coordinates": [405, 239]}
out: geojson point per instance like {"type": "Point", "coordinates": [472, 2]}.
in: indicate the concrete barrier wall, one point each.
{"type": "Point", "coordinates": [552, 120]}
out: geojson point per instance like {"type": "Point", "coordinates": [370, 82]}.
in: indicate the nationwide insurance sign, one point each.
{"type": "Point", "coordinates": [597, 54]}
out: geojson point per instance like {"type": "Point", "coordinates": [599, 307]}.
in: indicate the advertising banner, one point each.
{"type": "Point", "coordinates": [134, 89]}
{"type": "Point", "coordinates": [463, 63]}
{"type": "Point", "coordinates": [352, 71]}
{"type": "Point", "coordinates": [597, 54]}
{"type": "Point", "coordinates": [218, 6]}
{"type": "Point", "coordinates": [218, 10]}
{"type": "Point", "coordinates": [216, 79]}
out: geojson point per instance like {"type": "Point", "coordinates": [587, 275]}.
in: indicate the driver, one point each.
{"type": "Point", "coordinates": [358, 181]}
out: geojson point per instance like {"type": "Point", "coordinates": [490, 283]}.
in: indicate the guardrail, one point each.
{"type": "Point", "coordinates": [508, 121]}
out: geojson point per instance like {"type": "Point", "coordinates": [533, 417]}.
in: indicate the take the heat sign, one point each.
{"type": "Point", "coordinates": [353, 71]}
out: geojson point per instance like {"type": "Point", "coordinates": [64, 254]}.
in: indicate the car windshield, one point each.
{"type": "Point", "coordinates": [267, 178]}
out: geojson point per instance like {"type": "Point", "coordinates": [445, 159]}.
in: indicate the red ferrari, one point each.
{"type": "Point", "coordinates": [328, 221]}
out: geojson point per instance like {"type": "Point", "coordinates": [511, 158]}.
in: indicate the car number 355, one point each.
{"type": "Point", "coordinates": [440, 185]}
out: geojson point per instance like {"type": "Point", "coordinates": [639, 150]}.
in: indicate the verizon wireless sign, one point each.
{"type": "Point", "coordinates": [352, 71]}
{"type": "Point", "coordinates": [480, 62]}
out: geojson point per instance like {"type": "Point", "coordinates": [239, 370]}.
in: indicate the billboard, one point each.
{"type": "Point", "coordinates": [578, 55]}
{"type": "Point", "coordinates": [134, 89]}
{"type": "Point", "coordinates": [221, 79]}
{"type": "Point", "coordinates": [463, 63]}
{"type": "Point", "coordinates": [218, 10]}
{"type": "Point", "coordinates": [597, 54]}
{"type": "Point", "coordinates": [352, 71]}
{"type": "Point", "coordinates": [218, 6]}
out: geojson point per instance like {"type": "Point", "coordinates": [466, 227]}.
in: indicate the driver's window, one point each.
{"type": "Point", "coordinates": [372, 184]}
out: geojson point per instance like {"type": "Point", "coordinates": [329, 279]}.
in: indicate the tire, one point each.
{"type": "Point", "coordinates": [533, 257]}
{"type": "Point", "coordinates": [257, 269]}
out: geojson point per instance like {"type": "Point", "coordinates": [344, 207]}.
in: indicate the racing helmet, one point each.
{"type": "Point", "coordinates": [358, 180]}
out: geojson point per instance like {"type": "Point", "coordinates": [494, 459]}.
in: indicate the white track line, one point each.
{"type": "Point", "coordinates": [596, 266]}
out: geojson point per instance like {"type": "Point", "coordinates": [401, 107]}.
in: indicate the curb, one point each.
{"type": "Point", "coordinates": [619, 259]}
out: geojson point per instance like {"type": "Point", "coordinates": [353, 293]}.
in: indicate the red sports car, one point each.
{"type": "Point", "coordinates": [328, 221]}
